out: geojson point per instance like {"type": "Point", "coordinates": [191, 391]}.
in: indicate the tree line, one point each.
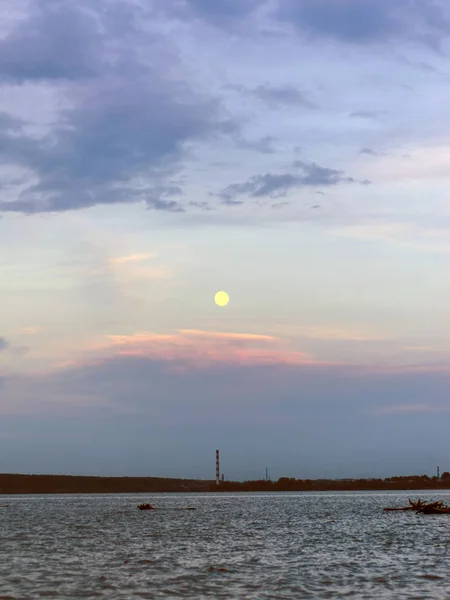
{"type": "Point", "coordinates": [73, 484]}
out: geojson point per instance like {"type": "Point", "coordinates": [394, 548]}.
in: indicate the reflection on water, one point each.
{"type": "Point", "coordinates": [317, 545]}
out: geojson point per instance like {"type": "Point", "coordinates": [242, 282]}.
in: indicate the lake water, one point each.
{"type": "Point", "coordinates": [293, 546]}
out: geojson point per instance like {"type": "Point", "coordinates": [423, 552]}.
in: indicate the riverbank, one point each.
{"type": "Point", "coordinates": [77, 484]}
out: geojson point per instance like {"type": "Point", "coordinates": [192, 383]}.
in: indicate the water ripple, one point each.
{"type": "Point", "coordinates": [246, 546]}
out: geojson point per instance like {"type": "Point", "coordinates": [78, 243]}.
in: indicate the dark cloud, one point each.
{"type": "Point", "coordinates": [228, 198]}
{"type": "Point", "coordinates": [129, 122]}
{"type": "Point", "coordinates": [204, 206]}
{"type": "Point", "coordinates": [313, 174]}
{"type": "Point", "coordinates": [367, 21]}
{"type": "Point", "coordinates": [280, 204]}
{"type": "Point", "coordinates": [9, 124]}
{"type": "Point", "coordinates": [278, 185]}
{"type": "Point", "coordinates": [367, 114]}
{"type": "Point", "coordinates": [367, 151]}
{"type": "Point", "coordinates": [225, 8]}
{"type": "Point", "coordinates": [370, 152]}
{"type": "Point", "coordinates": [3, 344]}
{"type": "Point", "coordinates": [423, 66]}
{"type": "Point", "coordinates": [56, 40]}
{"type": "Point", "coordinates": [223, 13]}
{"type": "Point", "coordinates": [160, 203]}
{"type": "Point", "coordinates": [274, 96]}
{"type": "Point", "coordinates": [346, 20]}
{"type": "Point", "coordinates": [134, 128]}
{"type": "Point", "coordinates": [122, 409]}
{"type": "Point", "coordinates": [286, 95]}
{"type": "Point", "coordinates": [159, 198]}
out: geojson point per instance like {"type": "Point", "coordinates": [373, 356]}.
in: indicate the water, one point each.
{"type": "Point", "coordinates": [246, 546]}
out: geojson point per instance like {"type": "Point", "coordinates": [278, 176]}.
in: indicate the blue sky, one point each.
{"type": "Point", "coordinates": [291, 152]}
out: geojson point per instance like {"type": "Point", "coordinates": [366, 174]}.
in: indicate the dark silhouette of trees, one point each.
{"type": "Point", "coordinates": [67, 484]}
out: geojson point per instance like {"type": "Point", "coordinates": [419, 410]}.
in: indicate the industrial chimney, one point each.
{"type": "Point", "coordinates": [217, 468]}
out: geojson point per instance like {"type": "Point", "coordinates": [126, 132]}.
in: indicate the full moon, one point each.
{"type": "Point", "coordinates": [221, 298]}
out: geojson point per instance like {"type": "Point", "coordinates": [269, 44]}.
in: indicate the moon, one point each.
{"type": "Point", "coordinates": [221, 298]}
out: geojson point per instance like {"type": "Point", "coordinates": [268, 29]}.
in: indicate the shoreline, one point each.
{"type": "Point", "coordinates": [22, 484]}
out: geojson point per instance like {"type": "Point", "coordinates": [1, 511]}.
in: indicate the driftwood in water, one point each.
{"type": "Point", "coordinates": [146, 507]}
{"type": "Point", "coordinates": [150, 507]}
{"type": "Point", "coordinates": [435, 508]}
{"type": "Point", "coordinates": [412, 505]}
{"type": "Point", "coordinates": [428, 508]}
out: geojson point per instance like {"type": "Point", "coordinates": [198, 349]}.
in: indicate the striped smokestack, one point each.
{"type": "Point", "coordinates": [217, 468]}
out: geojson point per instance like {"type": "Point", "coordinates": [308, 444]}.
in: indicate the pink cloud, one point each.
{"type": "Point", "coordinates": [193, 348]}
{"type": "Point", "coordinates": [132, 258]}
{"type": "Point", "coordinates": [206, 347]}
{"type": "Point", "coordinates": [32, 330]}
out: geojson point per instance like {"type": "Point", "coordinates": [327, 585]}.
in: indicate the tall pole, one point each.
{"type": "Point", "coordinates": [438, 472]}
{"type": "Point", "coordinates": [217, 468]}
{"type": "Point", "coordinates": [267, 476]}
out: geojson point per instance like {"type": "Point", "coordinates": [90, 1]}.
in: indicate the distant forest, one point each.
{"type": "Point", "coordinates": [71, 484]}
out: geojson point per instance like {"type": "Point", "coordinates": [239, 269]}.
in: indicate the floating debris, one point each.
{"type": "Point", "coordinates": [428, 508]}
{"type": "Point", "coordinates": [150, 507]}
{"type": "Point", "coordinates": [213, 569]}
{"type": "Point", "coordinates": [146, 507]}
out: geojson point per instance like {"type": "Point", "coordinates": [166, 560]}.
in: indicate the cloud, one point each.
{"type": "Point", "coordinates": [132, 258]}
{"type": "Point", "coordinates": [348, 21]}
{"type": "Point", "coordinates": [129, 111]}
{"type": "Point", "coordinates": [56, 40]}
{"type": "Point", "coordinates": [367, 21]}
{"type": "Point", "coordinates": [32, 330]}
{"type": "Point", "coordinates": [367, 114]}
{"type": "Point", "coordinates": [203, 206]}
{"type": "Point", "coordinates": [278, 185]}
{"type": "Point", "coordinates": [158, 203]}
{"type": "Point", "coordinates": [151, 372]}
{"type": "Point", "coordinates": [135, 266]}
{"type": "Point", "coordinates": [129, 415]}
{"type": "Point", "coordinates": [276, 97]}
{"type": "Point", "coordinates": [114, 274]}
{"type": "Point", "coordinates": [425, 349]}
{"type": "Point", "coordinates": [368, 151]}
{"type": "Point", "coordinates": [3, 344]}
{"type": "Point", "coordinates": [345, 20]}
{"type": "Point", "coordinates": [198, 348]}
{"type": "Point", "coordinates": [228, 200]}
{"type": "Point", "coordinates": [120, 130]}
{"type": "Point", "coordinates": [127, 127]}
{"type": "Point", "coordinates": [223, 14]}
{"type": "Point", "coordinates": [334, 333]}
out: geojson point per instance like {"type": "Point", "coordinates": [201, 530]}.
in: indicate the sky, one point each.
{"type": "Point", "coordinates": [293, 153]}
